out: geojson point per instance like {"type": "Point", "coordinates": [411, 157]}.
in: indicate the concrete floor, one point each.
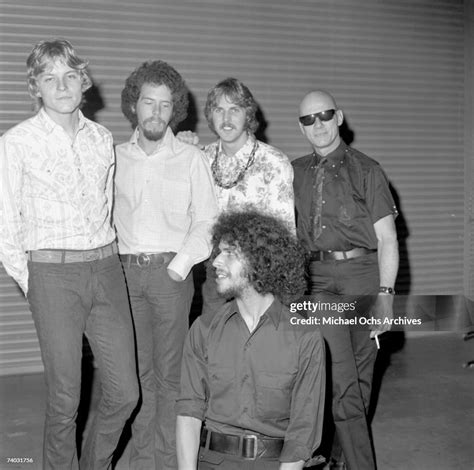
{"type": "Point", "coordinates": [424, 407]}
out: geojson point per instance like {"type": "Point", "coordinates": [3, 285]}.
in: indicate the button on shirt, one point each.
{"type": "Point", "coordinates": [164, 201]}
{"type": "Point", "coordinates": [355, 195]}
{"type": "Point", "coordinates": [56, 192]}
{"type": "Point", "coordinates": [270, 381]}
{"type": "Point", "coordinates": [267, 185]}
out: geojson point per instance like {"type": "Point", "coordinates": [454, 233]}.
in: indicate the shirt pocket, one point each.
{"type": "Point", "coordinates": [274, 395]}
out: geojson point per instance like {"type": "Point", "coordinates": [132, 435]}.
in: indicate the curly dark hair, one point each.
{"type": "Point", "coordinates": [275, 258]}
{"type": "Point", "coordinates": [237, 93]}
{"type": "Point", "coordinates": [155, 73]}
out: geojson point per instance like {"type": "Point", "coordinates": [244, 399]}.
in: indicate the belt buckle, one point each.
{"type": "Point", "coordinates": [143, 260]}
{"type": "Point", "coordinates": [255, 445]}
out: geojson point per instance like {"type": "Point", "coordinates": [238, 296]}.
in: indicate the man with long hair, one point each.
{"type": "Point", "coordinates": [58, 243]}
{"type": "Point", "coordinates": [164, 208]}
{"type": "Point", "coordinates": [256, 380]}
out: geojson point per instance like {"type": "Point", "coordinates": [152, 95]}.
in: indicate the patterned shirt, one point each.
{"type": "Point", "coordinates": [266, 185]}
{"type": "Point", "coordinates": [269, 381]}
{"type": "Point", "coordinates": [56, 192]}
{"type": "Point", "coordinates": [164, 201]}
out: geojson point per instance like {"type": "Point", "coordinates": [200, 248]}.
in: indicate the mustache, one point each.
{"type": "Point", "coordinates": [151, 119]}
{"type": "Point", "coordinates": [226, 124]}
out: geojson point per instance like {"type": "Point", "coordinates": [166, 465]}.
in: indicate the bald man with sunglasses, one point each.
{"type": "Point", "coordinates": [345, 219]}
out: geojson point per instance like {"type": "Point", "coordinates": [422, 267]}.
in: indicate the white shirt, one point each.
{"type": "Point", "coordinates": [164, 201]}
{"type": "Point", "coordinates": [55, 192]}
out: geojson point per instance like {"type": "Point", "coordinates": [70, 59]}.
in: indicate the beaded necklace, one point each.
{"type": "Point", "coordinates": [218, 174]}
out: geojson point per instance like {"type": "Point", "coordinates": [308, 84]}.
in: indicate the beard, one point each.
{"type": "Point", "coordinates": [153, 131]}
{"type": "Point", "coordinates": [234, 286]}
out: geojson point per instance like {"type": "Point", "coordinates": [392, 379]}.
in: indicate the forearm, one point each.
{"type": "Point", "coordinates": [196, 248]}
{"type": "Point", "coordinates": [387, 248]}
{"type": "Point", "coordinates": [188, 431]}
{"type": "Point", "coordinates": [388, 259]}
{"type": "Point", "coordinates": [388, 267]}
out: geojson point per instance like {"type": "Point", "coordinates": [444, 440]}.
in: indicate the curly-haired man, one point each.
{"type": "Point", "coordinates": [256, 381]}
{"type": "Point", "coordinates": [58, 243]}
{"type": "Point", "coordinates": [164, 207]}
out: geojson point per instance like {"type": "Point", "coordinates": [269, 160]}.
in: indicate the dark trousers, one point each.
{"type": "Point", "coordinates": [351, 354]}
{"type": "Point", "coordinates": [160, 309]}
{"type": "Point", "coordinates": [68, 300]}
{"type": "Point", "coordinates": [211, 460]}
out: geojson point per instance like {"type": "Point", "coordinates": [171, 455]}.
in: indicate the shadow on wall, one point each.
{"type": "Point", "coordinates": [92, 102]}
{"type": "Point", "coordinates": [260, 133]}
{"type": "Point", "coordinates": [192, 119]}
{"type": "Point", "coordinates": [391, 341]}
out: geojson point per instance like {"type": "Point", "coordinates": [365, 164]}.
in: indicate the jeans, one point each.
{"type": "Point", "coordinates": [160, 309]}
{"type": "Point", "coordinates": [351, 355]}
{"type": "Point", "coordinates": [66, 301]}
{"type": "Point", "coordinates": [211, 460]}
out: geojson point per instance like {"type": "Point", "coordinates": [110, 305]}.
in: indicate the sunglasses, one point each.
{"type": "Point", "coordinates": [323, 116]}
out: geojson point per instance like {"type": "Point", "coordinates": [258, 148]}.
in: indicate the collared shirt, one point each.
{"type": "Point", "coordinates": [266, 186]}
{"type": "Point", "coordinates": [355, 195]}
{"type": "Point", "coordinates": [164, 201]}
{"type": "Point", "coordinates": [270, 381]}
{"type": "Point", "coordinates": [56, 192]}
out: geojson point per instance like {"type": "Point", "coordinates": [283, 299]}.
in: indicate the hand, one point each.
{"type": "Point", "coordinates": [382, 310]}
{"type": "Point", "coordinates": [188, 137]}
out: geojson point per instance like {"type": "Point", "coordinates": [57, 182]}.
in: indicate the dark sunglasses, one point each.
{"type": "Point", "coordinates": [323, 116]}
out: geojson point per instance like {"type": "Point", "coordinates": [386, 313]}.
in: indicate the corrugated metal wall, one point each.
{"type": "Point", "coordinates": [396, 68]}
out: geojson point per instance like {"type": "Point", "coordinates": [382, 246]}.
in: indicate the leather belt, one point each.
{"type": "Point", "coordinates": [143, 260]}
{"type": "Point", "coordinates": [339, 255]}
{"type": "Point", "coordinates": [249, 446]}
{"type": "Point", "coordinates": [72, 256]}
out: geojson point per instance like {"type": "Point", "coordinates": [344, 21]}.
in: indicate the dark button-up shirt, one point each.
{"type": "Point", "coordinates": [270, 382]}
{"type": "Point", "coordinates": [355, 195]}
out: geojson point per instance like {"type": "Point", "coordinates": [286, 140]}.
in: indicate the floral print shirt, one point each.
{"type": "Point", "coordinates": [266, 185]}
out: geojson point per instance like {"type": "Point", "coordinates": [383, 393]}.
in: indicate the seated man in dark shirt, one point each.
{"type": "Point", "coordinates": [254, 379]}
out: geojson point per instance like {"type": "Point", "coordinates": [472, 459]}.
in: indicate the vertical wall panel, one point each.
{"type": "Point", "coordinates": [397, 69]}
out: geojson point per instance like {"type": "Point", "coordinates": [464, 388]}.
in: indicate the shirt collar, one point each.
{"type": "Point", "coordinates": [337, 155]}
{"type": "Point", "coordinates": [168, 140]}
{"type": "Point", "coordinates": [273, 312]}
{"type": "Point", "coordinates": [50, 125]}
{"type": "Point", "coordinates": [245, 150]}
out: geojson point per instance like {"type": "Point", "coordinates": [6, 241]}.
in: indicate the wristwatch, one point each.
{"type": "Point", "coordinates": [386, 290]}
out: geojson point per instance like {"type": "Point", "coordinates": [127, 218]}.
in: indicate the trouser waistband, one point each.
{"type": "Point", "coordinates": [249, 446]}
{"type": "Point", "coordinates": [339, 255]}
{"type": "Point", "coordinates": [72, 256]}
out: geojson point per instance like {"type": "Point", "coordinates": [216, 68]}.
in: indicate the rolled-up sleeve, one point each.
{"type": "Point", "coordinates": [304, 431]}
{"type": "Point", "coordinates": [194, 392]}
{"type": "Point", "coordinates": [378, 196]}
